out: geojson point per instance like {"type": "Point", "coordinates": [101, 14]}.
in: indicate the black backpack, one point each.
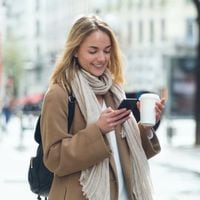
{"type": "Point", "coordinates": [39, 177]}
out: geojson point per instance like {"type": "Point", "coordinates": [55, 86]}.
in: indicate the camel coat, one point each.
{"type": "Point", "coordinates": [67, 154]}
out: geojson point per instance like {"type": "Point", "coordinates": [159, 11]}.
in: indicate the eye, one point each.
{"type": "Point", "coordinates": [107, 50]}
{"type": "Point", "coordinates": [92, 52]}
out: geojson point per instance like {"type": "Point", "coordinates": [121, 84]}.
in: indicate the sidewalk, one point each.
{"type": "Point", "coordinates": [16, 150]}
{"type": "Point", "coordinates": [183, 158]}
{"type": "Point", "coordinates": [181, 153]}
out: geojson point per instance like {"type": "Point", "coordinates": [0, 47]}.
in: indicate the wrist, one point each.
{"type": "Point", "coordinates": [147, 130]}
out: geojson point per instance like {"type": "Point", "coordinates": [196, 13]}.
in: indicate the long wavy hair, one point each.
{"type": "Point", "coordinates": [67, 62]}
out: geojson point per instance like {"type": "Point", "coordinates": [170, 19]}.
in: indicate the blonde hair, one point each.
{"type": "Point", "coordinates": [82, 28]}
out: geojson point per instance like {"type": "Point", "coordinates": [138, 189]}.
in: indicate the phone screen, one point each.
{"type": "Point", "coordinates": [129, 103]}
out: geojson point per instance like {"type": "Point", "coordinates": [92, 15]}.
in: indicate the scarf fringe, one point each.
{"type": "Point", "coordinates": [96, 180]}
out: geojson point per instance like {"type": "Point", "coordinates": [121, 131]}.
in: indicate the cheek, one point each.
{"type": "Point", "coordinates": [87, 59]}
{"type": "Point", "coordinates": [108, 57]}
{"type": "Point", "coordinates": [82, 58]}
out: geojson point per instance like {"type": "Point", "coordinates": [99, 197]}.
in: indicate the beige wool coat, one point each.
{"type": "Point", "coordinates": [67, 155]}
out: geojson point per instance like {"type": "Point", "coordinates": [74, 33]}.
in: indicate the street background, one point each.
{"type": "Point", "coordinates": [160, 40]}
{"type": "Point", "coordinates": [175, 171]}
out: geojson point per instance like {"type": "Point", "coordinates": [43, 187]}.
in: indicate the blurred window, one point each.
{"type": "Point", "coordinates": [119, 4]}
{"type": "Point", "coordinates": [38, 65]}
{"type": "Point", "coordinates": [163, 2]}
{"type": "Point", "coordinates": [130, 4]}
{"type": "Point", "coordinates": [182, 86]}
{"type": "Point", "coordinates": [130, 32]}
{"type": "Point", "coordinates": [188, 1]}
{"type": "Point", "coordinates": [140, 31]}
{"type": "Point", "coordinates": [37, 5]}
{"type": "Point", "coordinates": [189, 29]}
{"type": "Point", "coordinates": [108, 5]}
{"type": "Point", "coordinates": [151, 3]}
{"type": "Point", "coordinates": [163, 29]}
{"type": "Point", "coordinates": [151, 31]}
{"type": "Point", "coordinates": [140, 3]}
{"type": "Point", "coordinates": [37, 28]}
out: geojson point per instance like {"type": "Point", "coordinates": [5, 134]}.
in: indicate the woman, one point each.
{"type": "Point", "coordinates": [105, 156]}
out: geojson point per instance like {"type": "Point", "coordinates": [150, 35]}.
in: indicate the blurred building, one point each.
{"type": "Point", "coordinates": [20, 30]}
{"type": "Point", "coordinates": [150, 32]}
{"type": "Point", "coordinates": [40, 27]}
{"type": "Point", "coordinates": [2, 35]}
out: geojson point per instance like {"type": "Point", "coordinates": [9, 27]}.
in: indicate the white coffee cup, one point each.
{"type": "Point", "coordinates": [147, 109]}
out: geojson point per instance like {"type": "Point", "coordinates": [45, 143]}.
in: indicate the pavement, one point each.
{"type": "Point", "coordinates": [175, 170]}
{"type": "Point", "coordinates": [16, 148]}
{"type": "Point", "coordinates": [179, 152]}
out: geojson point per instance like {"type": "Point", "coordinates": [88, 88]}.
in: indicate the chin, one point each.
{"type": "Point", "coordinates": [98, 73]}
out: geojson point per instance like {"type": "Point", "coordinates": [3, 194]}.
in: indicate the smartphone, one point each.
{"type": "Point", "coordinates": [129, 103]}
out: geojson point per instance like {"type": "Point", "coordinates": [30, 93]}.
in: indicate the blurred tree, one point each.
{"type": "Point", "coordinates": [12, 66]}
{"type": "Point", "coordinates": [197, 70]}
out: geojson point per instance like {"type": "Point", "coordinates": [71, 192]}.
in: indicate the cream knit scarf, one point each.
{"type": "Point", "coordinates": [95, 180]}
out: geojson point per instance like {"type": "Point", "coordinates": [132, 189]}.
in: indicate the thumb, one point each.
{"type": "Point", "coordinates": [108, 110]}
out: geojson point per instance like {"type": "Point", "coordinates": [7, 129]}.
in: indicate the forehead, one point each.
{"type": "Point", "coordinates": [97, 38]}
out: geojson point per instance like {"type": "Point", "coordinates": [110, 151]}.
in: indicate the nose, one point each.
{"type": "Point", "coordinates": [101, 56]}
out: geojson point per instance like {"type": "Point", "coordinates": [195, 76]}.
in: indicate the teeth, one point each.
{"type": "Point", "coordinates": [98, 65]}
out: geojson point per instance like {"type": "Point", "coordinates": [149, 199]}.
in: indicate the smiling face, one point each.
{"type": "Point", "coordinates": [94, 53]}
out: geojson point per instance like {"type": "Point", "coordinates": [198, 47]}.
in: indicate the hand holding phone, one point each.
{"type": "Point", "coordinates": [129, 103]}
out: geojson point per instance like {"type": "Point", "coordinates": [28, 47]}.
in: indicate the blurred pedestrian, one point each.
{"type": "Point", "coordinates": [6, 110]}
{"type": "Point", "coordinates": [105, 157]}
{"type": "Point", "coordinates": [6, 113]}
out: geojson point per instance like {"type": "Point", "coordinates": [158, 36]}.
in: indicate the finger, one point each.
{"type": "Point", "coordinates": [110, 126]}
{"type": "Point", "coordinates": [121, 121]}
{"type": "Point", "coordinates": [117, 112]}
{"type": "Point", "coordinates": [160, 105]}
{"type": "Point", "coordinates": [138, 105]}
{"type": "Point", "coordinates": [158, 113]}
{"type": "Point", "coordinates": [162, 101]}
{"type": "Point", "coordinates": [108, 110]}
{"type": "Point", "coordinates": [121, 115]}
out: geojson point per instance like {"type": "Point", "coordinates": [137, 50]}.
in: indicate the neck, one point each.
{"type": "Point", "coordinates": [100, 99]}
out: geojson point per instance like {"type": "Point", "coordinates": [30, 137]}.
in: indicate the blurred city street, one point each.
{"type": "Point", "coordinates": [15, 152]}
{"type": "Point", "coordinates": [161, 53]}
{"type": "Point", "coordinates": [175, 171]}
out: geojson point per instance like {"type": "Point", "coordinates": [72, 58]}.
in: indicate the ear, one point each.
{"type": "Point", "coordinates": [75, 55]}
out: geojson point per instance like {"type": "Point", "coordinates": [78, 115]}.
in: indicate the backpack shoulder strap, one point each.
{"type": "Point", "coordinates": [37, 134]}
{"type": "Point", "coordinates": [71, 108]}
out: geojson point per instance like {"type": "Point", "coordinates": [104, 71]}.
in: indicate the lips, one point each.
{"type": "Point", "coordinates": [99, 65]}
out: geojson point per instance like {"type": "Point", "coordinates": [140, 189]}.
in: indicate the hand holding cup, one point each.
{"type": "Point", "coordinates": [151, 108]}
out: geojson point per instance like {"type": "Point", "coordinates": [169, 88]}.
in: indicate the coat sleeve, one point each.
{"type": "Point", "coordinates": [64, 153]}
{"type": "Point", "coordinates": [151, 145]}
